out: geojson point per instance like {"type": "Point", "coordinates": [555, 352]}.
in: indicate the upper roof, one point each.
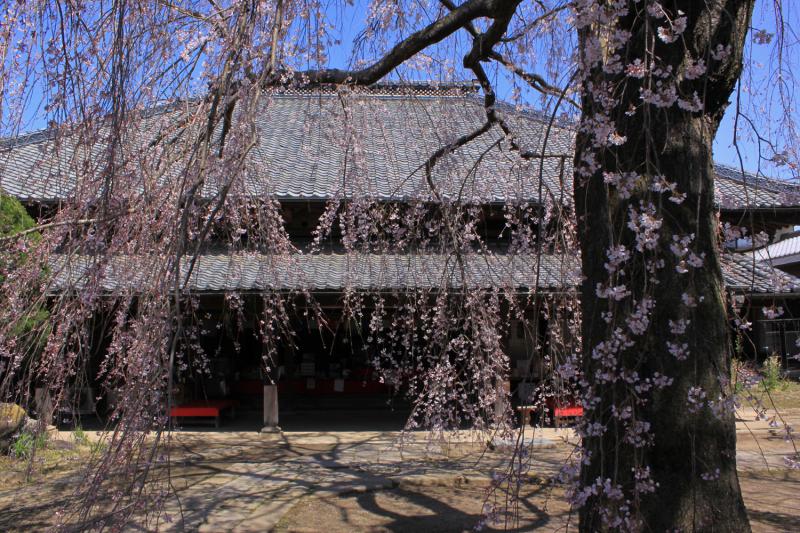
{"type": "Point", "coordinates": [387, 272]}
{"type": "Point", "coordinates": [736, 190]}
{"type": "Point", "coordinates": [318, 145]}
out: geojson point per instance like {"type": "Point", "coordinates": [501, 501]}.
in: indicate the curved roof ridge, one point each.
{"type": "Point", "coordinates": [48, 133]}
{"type": "Point", "coordinates": [757, 179]}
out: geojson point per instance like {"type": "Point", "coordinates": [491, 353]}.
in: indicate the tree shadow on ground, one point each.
{"type": "Point", "coordinates": [779, 521]}
{"type": "Point", "coordinates": [419, 508]}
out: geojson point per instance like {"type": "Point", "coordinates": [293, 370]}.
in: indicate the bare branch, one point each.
{"type": "Point", "coordinates": [220, 28]}
{"type": "Point", "coordinates": [534, 80]}
{"type": "Point", "coordinates": [538, 20]}
{"type": "Point", "coordinates": [405, 49]}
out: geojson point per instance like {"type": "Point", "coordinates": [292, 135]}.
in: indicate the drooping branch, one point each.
{"type": "Point", "coordinates": [220, 28]}
{"type": "Point", "coordinates": [60, 223]}
{"type": "Point", "coordinates": [434, 158]}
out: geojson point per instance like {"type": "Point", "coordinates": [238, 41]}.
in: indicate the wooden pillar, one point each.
{"type": "Point", "coordinates": [45, 410]}
{"type": "Point", "coordinates": [270, 409]}
{"type": "Point", "coordinates": [501, 403]}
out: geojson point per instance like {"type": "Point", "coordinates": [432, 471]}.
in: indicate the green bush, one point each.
{"type": "Point", "coordinates": [738, 368]}
{"type": "Point", "coordinates": [80, 436]}
{"type": "Point", "coordinates": [14, 218]}
{"type": "Point", "coordinates": [771, 373]}
{"type": "Point", "coordinates": [26, 443]}
{"type": "Point", "coordinates": [30, 329]}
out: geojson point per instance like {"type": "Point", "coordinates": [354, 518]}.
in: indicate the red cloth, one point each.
{"type": "Point", "coordinates": [564, 407]}
{"type": "Point", "coordinates": [186, 411]}
{"type": "Point", "coordinates": [202, 408]}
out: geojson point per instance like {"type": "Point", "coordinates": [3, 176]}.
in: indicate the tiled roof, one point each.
{"type": "Point", "coordinates": [744, 272]}
{"type": "Point", "coordinates": [332, 271]}
{"type": "Point", "coordinates": [735, 190]}
{"type": "Point", "coordinates": [307, 149]}
{"type": "Point", "coordinates": [783, 248]}
{"type": "Point", "coordinates": [322, 145]}
{"type": "Point", "coordinates": [321, 272]}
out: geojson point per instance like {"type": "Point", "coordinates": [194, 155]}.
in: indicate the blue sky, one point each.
{"type": "Point", "coordinates": [759, 93]}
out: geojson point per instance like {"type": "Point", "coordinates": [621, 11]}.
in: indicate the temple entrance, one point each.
{"type": "Point", "coordinates": [326, 382]}
{"type": "Point", "coordinates": [321, 381]}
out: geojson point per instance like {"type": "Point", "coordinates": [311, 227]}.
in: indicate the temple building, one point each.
{"type": "Point", "coordinates": [332, 153]}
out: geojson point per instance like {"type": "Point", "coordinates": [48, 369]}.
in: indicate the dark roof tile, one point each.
{"type": "Point", "coordinates": [327, 145]}
{"type": "Point", "coordinates": [331, 271]}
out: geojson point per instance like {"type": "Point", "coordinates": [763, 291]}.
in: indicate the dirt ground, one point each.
{"type": "Point", "coordinates": [426, 508]}
{"type": "Point", "coordinates": [771, 494]}
{"type": "Point", "coordinates": [360, 481]}
{"type": "Point", "coordinates": [772, 499]}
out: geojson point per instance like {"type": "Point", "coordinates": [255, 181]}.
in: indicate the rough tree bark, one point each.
{"type": "Point", "coordinates": [678, 145]}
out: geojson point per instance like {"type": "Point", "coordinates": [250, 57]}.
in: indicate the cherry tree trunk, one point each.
{"type": "Point", "coordinates": [667, 420]}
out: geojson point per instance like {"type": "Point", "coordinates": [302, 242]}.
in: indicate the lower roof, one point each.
{"type": "Point", "coordinates": [243, 272]}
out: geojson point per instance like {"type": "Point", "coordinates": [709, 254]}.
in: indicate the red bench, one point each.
{"type": "Point", "coordinates": [561, 412]}
{"type": "Point", "coordinates": [203, 409]}
{"type": "Point", "coordinates": [572, 411]}
{"type": "Point", "coordinates": [564, 410]}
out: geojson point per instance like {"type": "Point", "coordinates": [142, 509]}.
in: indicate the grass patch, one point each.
{"type": "Point", "coordinates": [27, 443]}
{"type": "Point", "coordinates": [34, 458]}
{"type": "Point", "coordinates": [766, 384]}
{"type": "Point", "coordinates": [787, 395]}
